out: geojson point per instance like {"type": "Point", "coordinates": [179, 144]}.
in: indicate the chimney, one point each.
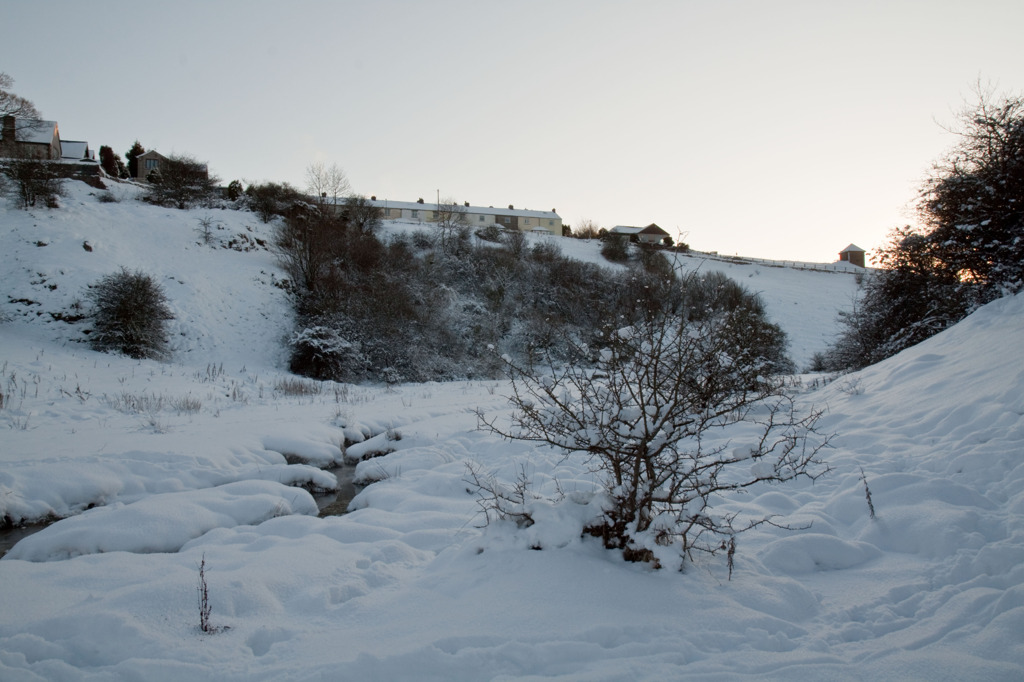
{"type": "Point", "coordinates": [511, 207]}
{"type": "Point", "coordinates": [8, 130]}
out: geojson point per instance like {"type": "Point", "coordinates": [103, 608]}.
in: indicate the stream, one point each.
{"type": "Point", "coordinates": [336, 503]}
{"type": "Point", "coordinates": [330, 504]}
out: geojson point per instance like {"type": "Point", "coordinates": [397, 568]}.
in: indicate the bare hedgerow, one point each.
{"type": "Point", "coordinates": [129, 315]}
{"type": "Point", "coordinates": [644, 417]}
{"type": "Point", "coordinates": [33, 182]}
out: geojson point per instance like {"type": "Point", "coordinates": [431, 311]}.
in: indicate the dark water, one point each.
{"type": "Point", "coordinates": [336, 503]}
{"type": "Point", "coordinates": [330, 504]}
{"type": "Point", "coordinates": [9, 536]}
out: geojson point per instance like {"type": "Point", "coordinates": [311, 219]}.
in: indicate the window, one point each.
{"type": "Point", "coordinates": [526, 222]}
{"type": "Point", "coordinates": [415, 214]}
{"type": "Point", "coordinates": [551, 223]}
{"type": "Point", "coordinates": [507, 220]}
{"type": "Point", "coordinates": [151, 164]}
{"type": "Point", "coordinates": [481, 218]}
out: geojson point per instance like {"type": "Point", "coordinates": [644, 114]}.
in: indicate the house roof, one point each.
{"type": "Point", "coordinates": [853, 247]}
{"type": "Point", "coordinates": [489, 210]}
{"type": "Point", "coordinates": [73, 149]}
{"type": "Point", "coordinates": [629, 229]}
{"type": "Point", "coordinates": [34, 132]}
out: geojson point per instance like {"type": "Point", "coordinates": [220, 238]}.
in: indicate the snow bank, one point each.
{"type": "Point", "coordinates": [163, 523]}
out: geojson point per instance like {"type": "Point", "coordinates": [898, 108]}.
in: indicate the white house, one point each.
{"type": "Point", "coordinates": [510, 218]}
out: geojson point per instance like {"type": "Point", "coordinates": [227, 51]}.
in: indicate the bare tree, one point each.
{"type": "Point", "coordinates": [643, 418]}
{"type": "Point", "coordinates": [13, 105]}
{"type": "Point", "coordinates": [309, 243]}
{"type": "Point", "coordinates": [361, 215]}
{"type": "Point", "coordinates": [452, 226]}
{"type": "Point", "coordinates": [586, 229]}
{"type": "Point", "coordinates": [26, 116]}
{"type": "Point", "coordinates": [326, 183]}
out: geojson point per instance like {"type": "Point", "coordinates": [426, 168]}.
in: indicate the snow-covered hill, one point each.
{"type": "Point", "coordinates": [199, 457]}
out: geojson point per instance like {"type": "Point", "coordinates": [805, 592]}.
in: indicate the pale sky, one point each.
{"type": "Point", "coordinates": [781, 130]}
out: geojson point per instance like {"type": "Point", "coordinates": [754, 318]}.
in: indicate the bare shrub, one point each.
{"type": "Point", "coordinates": [182, 182]}
{"type": "Point", "coordinates": [271, 199]}
{"type": "Point", "coordinates": [643, 418]}
{"type": "Point", "coordinates": [33, 182]}
{"type": "Point", "coordinates": [129, 315]}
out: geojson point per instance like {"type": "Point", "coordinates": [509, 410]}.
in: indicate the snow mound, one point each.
{"type": "Point", "coordinates": [163, 523]}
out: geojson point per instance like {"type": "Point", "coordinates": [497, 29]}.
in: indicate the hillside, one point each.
{"type": "Point", "coordinates": [223, 294]}
{"type": "Point", "coordinates": [206, 457]}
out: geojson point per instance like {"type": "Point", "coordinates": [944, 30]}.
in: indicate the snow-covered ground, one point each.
{"type": "Point", "coordinates": [207, 456]}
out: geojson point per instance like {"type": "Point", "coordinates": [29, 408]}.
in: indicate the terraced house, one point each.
{"type": "Point", "coordinates": [509, 218]}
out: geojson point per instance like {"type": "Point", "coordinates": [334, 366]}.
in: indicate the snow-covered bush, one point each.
{"type": "Point", "coordinates": [643, 417]}
{"type": "Point", "coordinates": [320, 352]}
{"type": "Point", "coordinates": [129, 315]}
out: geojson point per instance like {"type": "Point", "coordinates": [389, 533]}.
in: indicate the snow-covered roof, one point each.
{"type": "Point", "coordinates": [853, 247]}
{"type": "Point", "coordinates": [36, 132]}
{"type": "Point", "coordinates": [73, 149]}
{"type": "Point", "coordinates": [630, 229]}
{"type": "Point", "coordinates": [489, 210]}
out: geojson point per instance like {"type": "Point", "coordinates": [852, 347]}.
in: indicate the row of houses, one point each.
{"type": "Point", "coordinates": [35, 139]}
{"type": "Point", "coordinates": [511, 218]}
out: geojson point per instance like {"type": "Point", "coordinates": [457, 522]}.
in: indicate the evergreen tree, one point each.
{"type": "Point", "coordinates": [133, 155]}
{"type": "Point", "coordinates": [108, 161]}
{"type": "Point", "coordinates": [969, 250]}
{"type": "Point", "coordinates": [974, 201]}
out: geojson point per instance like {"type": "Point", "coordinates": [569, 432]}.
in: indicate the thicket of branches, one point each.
{"type": "Point", "coordinates": [969, 250]}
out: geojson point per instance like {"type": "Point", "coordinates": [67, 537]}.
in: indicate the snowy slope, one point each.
{"type": "Point", "coordinates": [223, 296]}
{"type": "Point", "coordinates": [409, 585]}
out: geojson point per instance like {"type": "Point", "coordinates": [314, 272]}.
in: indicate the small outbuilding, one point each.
{"type": "Point", "coordinates": [853, 254]}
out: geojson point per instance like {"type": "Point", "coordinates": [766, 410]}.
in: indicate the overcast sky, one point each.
{"type": "Point", "coordinates": [774, 129]}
